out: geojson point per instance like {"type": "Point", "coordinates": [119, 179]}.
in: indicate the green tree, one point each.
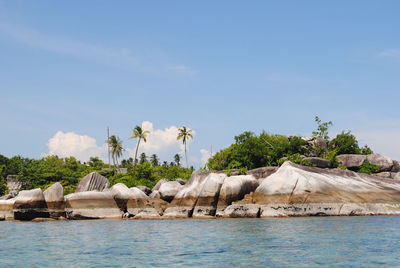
{"type": "Point", "coordinates": [116, 148]}
{"type": "Point", "coordinates": [3, 184]}
{"type": "Point", "coordinates": [177, 159]}
{"type": "Point", "coordinates": [154, 160]}
{"type": "Point", "coordinates": [322, 129]}
{"type": "Point", "coordinates": [96, 163]}
{"type": "Point", "coordinates": [139, 134]}
{"type": "Point", "coordinates": [143, 158]}
{"type": "Point", "coordinates": [345, 143]}
{"type": "Point", "coordinates": [185, 134]}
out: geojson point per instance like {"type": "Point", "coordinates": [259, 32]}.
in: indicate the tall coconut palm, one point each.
{"type": "Point", "coordinates": [185, 134]}
{"type": "Point", "coordinates": [115, 145]}
{"type": "Point", "coordinates": [140, 134]}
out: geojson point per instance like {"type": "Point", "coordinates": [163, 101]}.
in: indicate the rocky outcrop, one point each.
{"type": "Point", "coordinates": [145, 189]}
{"type": "Point", "coordinates": [92, 205]}
{"type": "Point", "coordinates": [318, 162]}
{"type": "Point", "coordinates": [126, 197]}
{"type": "Point", "coordinates": [351, 160]}
{"type": "Point", "coordinates": [169, 189]}
{"type": "Point", "coordinates": [159, 183]}
{"type": "Point", "coordinates": [240, 211]}
{"type": "Point", "coordinates": [147, 214]}
{"type": "Point", "coordinates": [29, 205]}
{"type": "Point", "coordinates": [54, 196]}
{"type": "Point", "coordinates": [396, 166]}
{"type": "Point", "coordinates": [155, 194]}
{"type": "Point", "coordinates": [383, 162]}
{"type": "Point", "coordinates": [294, 187]}
{"type": "Point", "coordinates": [182, 182]}
{"type": "Point", "coordinates": [235, 188]}
{"type": "Point", "coordinates": [6, 209]}
{"type": "Point", "coordinates": [93, 182]}
{"type": "Point", "coordinates": [262, 172]}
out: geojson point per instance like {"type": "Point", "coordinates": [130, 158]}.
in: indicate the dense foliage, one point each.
{"type": "Point", "coordinates": [252, 151]}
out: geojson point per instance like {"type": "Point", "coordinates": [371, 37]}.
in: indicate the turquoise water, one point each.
{"type": "Point", "coordinates": [282, 242]}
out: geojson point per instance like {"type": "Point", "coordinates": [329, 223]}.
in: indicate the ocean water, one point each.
{"type": "Point", "coordinates": [280, 242]}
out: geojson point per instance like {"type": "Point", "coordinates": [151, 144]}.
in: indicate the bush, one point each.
{"type": "Point", "coordinates": [297, 159]}
{"type": "Point", "coordinates": [344, 143]}
{"type": "Point", "coordinates": [368, 168]}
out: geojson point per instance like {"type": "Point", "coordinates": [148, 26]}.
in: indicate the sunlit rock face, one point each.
{"type": "Point", "coordinates": [169, 189]}
{"type": "Point", "coordinates": [298, 190]}
{"type": "Point", "coordinates": [30, 204]}
{"type": "Point", "coordinates": [6, 209]}
{"type": "Point", "coordinates": [93, 182]}
{"type": "Point", "coordinates": [54, 196]}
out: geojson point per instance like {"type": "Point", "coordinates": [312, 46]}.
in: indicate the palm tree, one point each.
{"type": "Point", "coordinates": [177, 159]}
{"type": "Point", "coordinates": [154, 160]}
{"type": "Point", "coordinates": [184, 134]}
{"type": "Point", "coordinates": [115, 145]}
{"type": "Point", "coordinates": [140, 134]}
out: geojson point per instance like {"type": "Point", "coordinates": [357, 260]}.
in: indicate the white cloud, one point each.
{"type": "Point", "coordinates": [71, 144]}
{"type": "Point", "coordinates": [394, 53]}
{"type": "Point", "coordinates": [162, 142]}
{"type": "Point", "coordinates": [205, 155]}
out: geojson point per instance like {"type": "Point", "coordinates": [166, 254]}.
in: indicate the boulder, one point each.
{"type": "Point", "coordinates": [351, 160]}
{"type": "Point", "coordinates": [92, 205]}
{"type": "Point", "coordinates": [262, 172]}
{"type": "Point", "coordinates": [6, 209]}
{"type": "Point", "coordinates": [396, 176]}
{"type": "Point", "coordinates": [29, 205]}
{"type": "Point", "coordinates": [396, 166]}
{"type": "Point", "coordinates": [294, 188]}
{"type": "Point", "coordinates": [240, 211]}
{"type": "Point", "coordinates": [383, 162]}
{"type": "Point", "coordinates": [185, 200]}
{"type": "Point", "coordinates": [144, 189]}
{"type": "Point", "coordinates": [207, 200]}
{"type": "Point", "coordinates": [182, 182]}
{"type": "Point", "coordinates": [385, 174]}
{"type": "Point", "coordinates": [155, 194]}
{"type": "Point", "coordinates": [93, 182]}
{"type": "Point", "coordinates": [169, 189]}
{"type": "Point", "coordinates": [159, 183]}
{"type": "Point", "coordinates": [235, 188]}
{"type": "Point", "coordinates": [124, 195]}
{"type": "Point", "coordinates": [319, 162]}
{"type": "Point", "coordinates": [54, 196]}
{"type": "Point", "coordinates": [147, 214]}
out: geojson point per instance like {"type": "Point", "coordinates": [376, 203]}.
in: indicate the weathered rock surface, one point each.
{"type": "Point", "coordinates": [155, 194]}
{"type": "Point", "coordinates": [93, 182]}
{"type": "Point", "coordinates": [30, 204]}
{"type": "Point", "coordinates": [159, 183]}
{"type": "Point", "coordinates": [92, 205]}
{"type": "Point", "coordinates": [147, 214]}
{"type": "Point", "coordinates": [144, 189]}
{"type": "Point", "coordinates": [385, 174]}
{"type": "Point", "coordinates": [169, 189]}
{"type": "Point", "coordinates": [396, 166]}
{"type": "Point", "coordinates": [319, 162]}
{"type": "Point", "coordinates": [351, 160]}
{"type": "Point", "coordinates": [182, 182]}
{"type": "Point", "coordinates": [6, 209]}
{"type": "Point", "coordinates": [297, 186]}
{"type": "Point", "coordinates": [396, 176]}
{"type": "Point", "coordinates": [54, 196]}
{"type": "Point", "coordinates": [240, 211]}
{"type": "Point", "coordinates": [262, 173]}
{"type": "Point", "coordinates": [235, 188]}
{"type": "Point", "coordinates": [125, 196]}
{"type": "Point", "coordinates": [383, 162]}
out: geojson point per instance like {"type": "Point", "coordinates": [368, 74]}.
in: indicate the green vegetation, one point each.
{"type": "Point", "coordinates": [368, 168]}
{"type": "Point", "coordinates": [252, 151]}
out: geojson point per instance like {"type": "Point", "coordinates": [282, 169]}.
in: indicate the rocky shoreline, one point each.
{"type": "Point", "coordinates": [288, 191]}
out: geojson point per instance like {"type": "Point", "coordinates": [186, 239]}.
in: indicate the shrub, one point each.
{"type": "Point", "coordinates": [345, 143]}
{"type": "Point", "coordinates": [368, 168]}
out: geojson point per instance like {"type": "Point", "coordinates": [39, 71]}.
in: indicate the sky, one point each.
{"type": "Point", "coordinates": [70, 69]}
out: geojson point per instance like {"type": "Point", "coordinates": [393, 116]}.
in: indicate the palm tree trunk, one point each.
{"type": "Point", "coordinates": [137, 148]}
{"type": "Point", "coordinates": [187, 165]}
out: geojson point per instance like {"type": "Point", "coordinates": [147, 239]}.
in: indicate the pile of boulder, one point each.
{"type": "Point", "coordinates": [288, 190]}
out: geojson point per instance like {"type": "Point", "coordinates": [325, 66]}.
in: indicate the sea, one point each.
{"type": "Point", "coordinates": [271, 242]}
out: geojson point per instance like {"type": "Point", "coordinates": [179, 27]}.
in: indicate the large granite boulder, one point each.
{"type": "Point", "coordinates": [159, 183]}
{"type": "Point", "coordinates": [351, 160]}
{"type": "Point", "coordinates": [155, 194]}
{"type": "Point", "coordinates": [169, 189]}
{"type": "Point", "coordinates": [183, 204]}
{"type": "Point", "coordinates": [240, 211]}
{"type": "Point", "coordinates": [54, 196]}
{"type": "Point", "coordinates": [147, 214]}
{"type": "Point", "coordinates": [30, 204]}
{"type": "Point", "coordinates": [6, 209]}
{"type": "Point", "coordinates": [145, 189]}
{"type": "Point", "coordinates": [125, 196]}
{"type": "Point", "coordinates": [318, 162]}
{"type": "Point", "coordinates": [395, 176]}
{"type": "Point", "coordinates": [92, 205]}
{"type": "Point", "coordinates": [396, 166]}
{"type": "Point", "coordinates": [383, 162]}
{"type": "Point", "coordinates": [207, 200]}
{"type": "Point", "coordinates": [93, 182]}
{"type": "Point", "coordinates": [262, 172]}
{"type": "Point", "coordinates": [296, 190]}
{"type": "Point", "coordinates": [182, 182]}
{"type": "Point", "coordinates": [235, 188]}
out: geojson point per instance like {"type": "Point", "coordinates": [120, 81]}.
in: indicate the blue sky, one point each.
{"type": "Point", "coordinates": [70, 69]}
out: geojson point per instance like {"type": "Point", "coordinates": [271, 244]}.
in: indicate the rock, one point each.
{"type": "Point", "coordinates": [396, 166]}
{"type": "Point", "coordinates": [262, 172]}
{"type": "Point", "coordinates": [240, 211]}
{"type": "Point", "coordinates": [29, 205]}
{"type": "Point", "coordinates": [395, 176]}
{"type": "Point", "coordinates": [6, 209]}
{"type": "Point", "coordinates": [316, 142]}
{"type": "Point", "coordinates": [383, 162]}
{"type": "Point", "coordinates": [145, 189]}
{"type": "Point", "coordinates": [169, 189]}
{"type": "Point", "coordinates": [124, 195]}
{"type": "Point", "coordinates": [235, 188]}
{"type": "Point", "coordinates": [43, 219]}
{"type": "Point", "coordinates": [159, 183]}
{"type": "Point", "coordinates": [351, 160]}
{"type": "Point", "coordinates": [182, 182]}
{"type": "Point", "coordinates": [155, 194]}
{"type": "Point", "coordinates": [13, 185]}
{"type": "Point", "coordinates": [93, 182]}
{"type": "Point", "coordinates": [92, 205]}
{"type": "Point", "coordinates": [7, 196]}
{"type": "Point", "coordinates": [54, 196]}
{"type": "Point", "coordinates": [147, 213]}
{"type": "Point", "coordinates": [183, 204]}
{"type": "Point", "coordinates": [294, 188]}
{"type": "Point", "coordinates": [207, 200]}
{"type": "Point", "coordinates": [319, 162]}
{"type": "Point", "coordinates": [384, 174]}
